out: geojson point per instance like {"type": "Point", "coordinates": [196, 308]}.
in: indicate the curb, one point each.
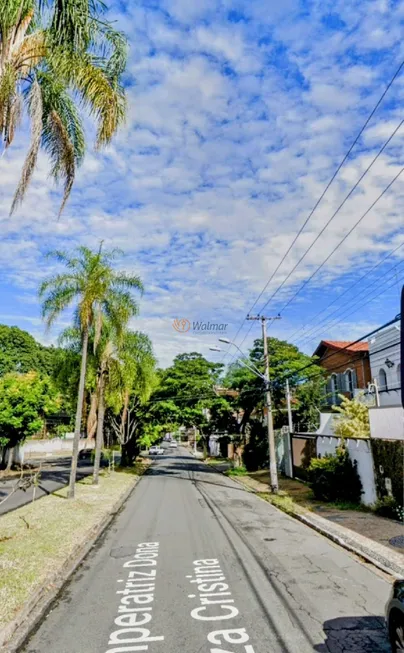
{"type": "Point", "coordinates": [35, 608]}
{"type": "Point", "coordinates": [364, 547]}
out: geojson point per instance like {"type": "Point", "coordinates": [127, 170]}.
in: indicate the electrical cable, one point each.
{"type": "Point", "coordinates": [355, 141]}
{"type": "Point", "coordinates": [324, 310]}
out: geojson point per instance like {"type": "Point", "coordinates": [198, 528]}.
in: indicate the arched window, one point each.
{"type": "Point", "coordinates": [349, 381]}
{"type": "Point", "coordinates": [382, 379]}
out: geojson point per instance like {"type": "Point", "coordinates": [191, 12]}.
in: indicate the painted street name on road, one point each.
{"type": "Point", "coordinates": [217, 605]}
{"type": "Point", "coordinates": [135, 608]}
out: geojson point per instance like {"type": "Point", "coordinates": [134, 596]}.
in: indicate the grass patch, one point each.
{"type": "Point", "coordinates": [236, 471]}
{"type": "Point", "coordinates": [37, 538]}
{"type": "Point", "coordinates": [282, 501]}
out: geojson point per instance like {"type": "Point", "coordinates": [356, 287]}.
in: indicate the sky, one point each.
{"type": "Point", "coordinates": [239, 112]}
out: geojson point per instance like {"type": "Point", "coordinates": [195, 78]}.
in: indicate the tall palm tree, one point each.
{"type": "Point", "coordinates": [95, 289]}
{"type": "Point", "coordinates": [131, 385]}
{"type": "Point", "coordinates": [57, 58]}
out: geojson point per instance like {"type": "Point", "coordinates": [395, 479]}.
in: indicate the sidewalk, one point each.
{"type": "Point", "coordinates": [376, 538]}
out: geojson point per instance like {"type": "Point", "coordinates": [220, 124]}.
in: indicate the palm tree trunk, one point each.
{"type": "Point", "coordinates": [92, 417]}
{"type": "Point", "coordinates": [10, 458]}
{"type": "Point", "coordinates": [99, 440]}
{"type": "Point", "coordinates": [79, 413]}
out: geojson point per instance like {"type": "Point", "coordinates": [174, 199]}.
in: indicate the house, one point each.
{"type": "Point", "coordinates": [348, 366]}
{"type": "Point", "coordinates": [384, 354]}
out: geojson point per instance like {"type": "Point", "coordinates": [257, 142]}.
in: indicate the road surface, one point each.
{"type": "Point", "coordinates": [54, 475]}
{"type": "Point", "coordinates": [195, 564]}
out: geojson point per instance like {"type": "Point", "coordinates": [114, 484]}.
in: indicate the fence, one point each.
{"type": "Point", "coordinates": [46, 448]}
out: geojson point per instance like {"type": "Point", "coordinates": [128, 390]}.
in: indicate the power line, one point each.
{"type": "Point", "coordinates": [380, 100]}
{"type": "Point", "coordinates": [355, 141]}
{"type": "Point", "coordinates": [307, 281]}
{"type": "Point", "coordinates": [304, 326]}
{"type": "Point", "coordinates": [350, 344]}
{"type": "Point", "coordinates": [326, 325]}
{"type": "Point", "coordinates": [350, 360]}
{"type": "Point", "coordinates": [354, 187]}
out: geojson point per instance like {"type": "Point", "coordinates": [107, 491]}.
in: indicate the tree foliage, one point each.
{"type": "Point", "coordinates": [56, 60]}
{"type": "Point", "coordinates": [20, 352]}
{"type": "Point", "coordinates": [25, 401]}
{"type": "Point", "coordinates": [353, 420]}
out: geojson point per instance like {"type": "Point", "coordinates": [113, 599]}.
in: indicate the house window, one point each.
{"type": "Point", "coordinates": [382, 379]}
{"type": "Point", "coordinates": [349, 381]}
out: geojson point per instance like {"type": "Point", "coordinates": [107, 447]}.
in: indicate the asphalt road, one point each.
{"type": "Point", "coordinates": [54, 475]}
{"type": "Point", "coordinates": [224, 572]}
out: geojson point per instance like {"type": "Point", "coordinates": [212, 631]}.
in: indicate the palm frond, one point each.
{"type": "Point", "coordinates": [105, 100]}
{"type": "Point", "coordinates": [35, 110]}
{"type": "Point", "coordinates": [61, 151]}
{"type": "Point", "coordinates": [57, 300]}
{"type": "Point", "coordinates": [131, 282]}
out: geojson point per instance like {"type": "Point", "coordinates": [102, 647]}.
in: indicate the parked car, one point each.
{"type": "Point", "coordinates": [155, 450]}
{"type": "Point", "coordinates": [173, 444]}
{"type": "Point", "coordinates": [395, 616]}
{"type": "Point", "coordinates": [88, 455]}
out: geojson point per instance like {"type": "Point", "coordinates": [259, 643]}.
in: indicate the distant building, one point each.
{"type": "Point", "coordinates": [384, 354]}
{"type": "Point", "coordinates": [348, 366]}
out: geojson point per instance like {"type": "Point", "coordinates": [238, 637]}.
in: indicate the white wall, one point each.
{"type": "Point", "coordinates": [360, 451]}
{"type": "Point", "coordinates": [387, 422]}
{"type": "Point", "coordinates": [39, 448]}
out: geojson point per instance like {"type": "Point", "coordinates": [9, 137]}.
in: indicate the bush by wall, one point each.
{"type": "Point", "coordinates": [335, 477]}
{"type": "Point", "coordinates": [388, 458]}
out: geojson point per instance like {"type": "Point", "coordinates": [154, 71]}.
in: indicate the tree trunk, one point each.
{"type": "Point", "coordinates": [79, 413]}
{"type": "Point", "coordinates": [92, 417]}
{"type": "Point", "coordinates": [10, 458]}
{"type": "Point", "coordinates": [99, 440]}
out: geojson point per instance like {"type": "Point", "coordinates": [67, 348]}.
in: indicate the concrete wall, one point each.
{"type": "Point", "coordinates": [360, 451]}
{"type": "Point", "coordinates": [387, 422]}
{"type": "Point", "coordinates": [47, 448]}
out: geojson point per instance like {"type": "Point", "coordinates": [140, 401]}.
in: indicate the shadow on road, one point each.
{"type": "Point", "coordinates": [359, 634]}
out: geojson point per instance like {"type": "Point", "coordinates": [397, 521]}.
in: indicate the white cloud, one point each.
{"type": "Point", "coordinates": [234, 128]}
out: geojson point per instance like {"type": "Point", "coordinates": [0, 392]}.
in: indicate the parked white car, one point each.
{"type": "Point", "coordinates": [155, 450]}
{"type": "Point", "coordinates": [173, 444]}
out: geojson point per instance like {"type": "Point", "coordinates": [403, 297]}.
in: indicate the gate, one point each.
{"type": "Point", "coordinates": [303, 449]}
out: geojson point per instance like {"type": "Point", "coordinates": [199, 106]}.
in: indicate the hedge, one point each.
{"type": "Point", "coordinates": [389, 454]}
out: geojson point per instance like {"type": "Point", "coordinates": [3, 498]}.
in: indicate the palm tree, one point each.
{"type": "Point", "coordinates": [131, 386]}
{"type": "Point", "coordinates": [96, 290]}
{"type": "Point", "coordinates": [55, 59]}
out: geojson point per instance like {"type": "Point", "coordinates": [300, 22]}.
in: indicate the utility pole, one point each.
{"type": "Point", "coordinates": [290, 420]}
{"type": "Point", "coordinates": [270, 424]}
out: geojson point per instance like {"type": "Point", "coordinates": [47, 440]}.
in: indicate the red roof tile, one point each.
{"type": "Point", "coordinates": [345, 344]}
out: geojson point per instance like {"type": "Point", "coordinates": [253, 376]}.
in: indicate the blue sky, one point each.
{"type": "Point", "coordinates": [239, 112]}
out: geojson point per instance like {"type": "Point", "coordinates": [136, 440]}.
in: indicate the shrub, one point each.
{"type": "Point", "coordinates": [388, 507]}
{"type": "Point", "coordinates": [335, 477]}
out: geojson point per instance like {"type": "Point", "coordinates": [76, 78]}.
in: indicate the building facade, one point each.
{"type": "Point", "coordinates": [348, 366]}
{"type": "Point", "coordinates": [384, 355]}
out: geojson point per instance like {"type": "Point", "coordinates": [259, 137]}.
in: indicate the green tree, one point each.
{"type": "Point", "coordinates": [285, 361]}
{"type": "Point", "coordinates": [130, 387]}
{"type": "Point", "coordinates": [20, 352]}
{"type": "Point", "coordinates": [96, 289]}
{"type": "Point", "coordinates": [58, 58]}
{"type": "Point", "coordinates": [25, 401]}
{"type": "Point", "coordinates": [353, 421]}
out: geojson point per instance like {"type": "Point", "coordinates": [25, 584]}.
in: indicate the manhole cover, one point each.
{"type": "Point", "coordinates": [397, 541]}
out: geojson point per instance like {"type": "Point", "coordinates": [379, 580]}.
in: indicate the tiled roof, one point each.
{"type": "Point", "coordinates": [345, 344]}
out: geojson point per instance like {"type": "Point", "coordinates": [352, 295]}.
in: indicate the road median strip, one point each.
{"type": "Point", "coordinates": [42, 543]}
